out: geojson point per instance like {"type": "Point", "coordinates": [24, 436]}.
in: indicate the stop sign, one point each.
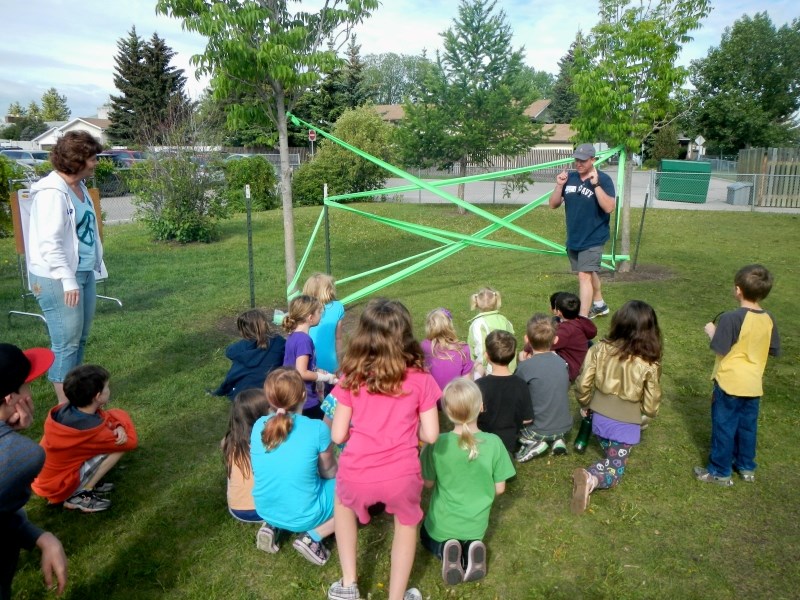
{"type": "Point", "coordinates": [312, 135]}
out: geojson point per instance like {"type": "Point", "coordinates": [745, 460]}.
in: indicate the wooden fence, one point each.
{"type": "Point", "coordinates": [778, 175]}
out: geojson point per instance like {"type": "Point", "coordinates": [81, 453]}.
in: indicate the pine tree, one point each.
{"type": "Point", "coordinates": [54, 106]}
{"type": "Point", "coordinates": [15, 109]}
{"type": "Point", "coordinates": [354, 90]}
{"type": "Point", "coordinates": [564, 106]}
{"type": "Point", "coordinates": [33, 111]}
{"type": "Point", "coordinates": [151, 92]}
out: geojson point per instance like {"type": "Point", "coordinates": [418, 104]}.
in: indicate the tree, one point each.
{"type": "Point", "coordinates": [748, 87]}
{"type": "Point", "coordinates": [564, 106]}
{"type": "Point", "coordinates": [54, 106]}
{"type": "Point", "coordinates": [33, 111]}
{"type": "Point", "coordinates": [540, 82]}
{"type": "Point", "coordinates": [267, 55]}
{"type": "Point", "coordinates": [15, 110]}
{"type": "Point", "coordinates": [625, 75]}
{"type": "Point", "coordinates": [151, 92]}
{"type": "Point", "coordinates": [472, 104]}
{"type": "Point", "coordinates": [665, 144]}
{"type": "Point", "coordinates": [343, 171]}
{"type": "Point", "coordinates": [392, 78]}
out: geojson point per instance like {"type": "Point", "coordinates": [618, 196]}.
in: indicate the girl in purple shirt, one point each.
{"type": "Point", "coordinates": [445, 355]}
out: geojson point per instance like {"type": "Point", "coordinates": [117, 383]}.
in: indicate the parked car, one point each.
{"type": "Point", "coordinates": [124, 158]}
{"type": "Point", "coordinates": [27, 158]}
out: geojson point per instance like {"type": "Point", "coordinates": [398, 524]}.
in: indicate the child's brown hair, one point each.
{"type": "Point", "coordinates": [540, 332]}
{"type": "Point", "coordinates": [754, 281]}
{"type": "Point", "coordinates": [301, 309]}
{"type": "Point", "coordinates": [247, 407]}
{"type": "Point", "coordinates": [254, 325]}
{"type": "Point", "coordinates": [501, 347]}
{"type": "Point", "coordinates": [285, 390]}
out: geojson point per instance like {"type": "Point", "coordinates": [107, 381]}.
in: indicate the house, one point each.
{"type": "Point", "coordinates": [95, 126]}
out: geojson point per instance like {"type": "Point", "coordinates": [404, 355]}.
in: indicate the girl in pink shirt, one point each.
{"type": "Point", "coordinates": [386, 402]}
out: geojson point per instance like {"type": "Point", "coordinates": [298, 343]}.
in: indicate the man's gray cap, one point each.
{"type": "Point", "coordinates": [584, 152]}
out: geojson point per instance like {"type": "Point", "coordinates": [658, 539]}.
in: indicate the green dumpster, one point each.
{"type": "Point", "coordinates": [684, 181]}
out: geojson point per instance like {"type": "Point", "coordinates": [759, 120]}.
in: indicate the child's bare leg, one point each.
{"type": "Point", "coordinates": [104, 467]}
{"type": "Point", "coordinates": [404, 546]}
{"type": "Point", "coordinates": [326, 529]}
{"type": "Point", "coordinates": [58, 386]}
{"type": "Point", "coordinates": [346, 541]}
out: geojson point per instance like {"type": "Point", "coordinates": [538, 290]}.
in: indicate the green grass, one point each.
{"type": "Point", "coordinates": [659, 535]}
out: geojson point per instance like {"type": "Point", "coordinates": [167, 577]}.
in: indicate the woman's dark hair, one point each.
{"type": "Point", "coordinates": [247, 408]}
{"type": "Point", "coordinates": [635, 332]}
{"type": "Point", "coordinates": [71, 152]}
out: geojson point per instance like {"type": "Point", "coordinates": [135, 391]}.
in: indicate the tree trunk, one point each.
{"type": "Point", "coordinates": [286, 190]}
{"type": "Point", "coordinates": [625, 238]}
{"type": "Point", "coordinates": [462, 163]}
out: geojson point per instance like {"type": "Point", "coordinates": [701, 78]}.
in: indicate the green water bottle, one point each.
{"type": "Point", "coordinates": [582, 439]}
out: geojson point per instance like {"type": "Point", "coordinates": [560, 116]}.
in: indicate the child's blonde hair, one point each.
{"type": "Point", "coordinates": [462, 403]}
{"type": "Point", "coordinates": [321, 287]}
{"type": "Point", "coordinates": [254, 325]}
{"type": "Point", "coordinates": [541, 332]}
{"type": "Point", "coordinates": [485, 299]}
{"type": "Point", "coordinates": [285, 390]}
{"type": "Point", "coordinates": [301, 309]}
{"type": "Point", "coordinates": [440, 331]}
{"type": "Point", "coordinates": [381, 349]}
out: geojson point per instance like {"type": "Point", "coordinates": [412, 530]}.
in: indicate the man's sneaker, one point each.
{"type": "Point", "coordinates": [452, 569]}
{"type": "Point", "coordinates": [103, 488]}
{"type": "Point", "coordinates": [87, 501]}
{"type": "Point", "coordinates": [412, 594]}
{"type": "Point", "coordinates": [581, 489]}
{"type": "Point", "coordinates": [314, 552]}
{"type": "Point", "coordinates": [702, 474]}
{"type": "Point", "coordinates": [339, 591]}
{"type": "Point", "coordinates": [559, 448]}
{"type": "Point", "coordinates": [529, 451]}
{"type": "Point", "coordinates": [267, 539]}
{"type": "Point", "coordinates": [748, 476]}
{"type": "Point", "coordinates": [476, 562]}
{"type": "Point", "coordinates": [598, 311]}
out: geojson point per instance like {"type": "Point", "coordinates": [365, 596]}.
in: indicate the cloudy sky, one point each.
{"type": "Point", "coordinates": [71, 46]}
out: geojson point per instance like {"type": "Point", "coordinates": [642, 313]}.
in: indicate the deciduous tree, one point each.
{"type": "Point", "coordinates": [472, 103]}
{"type": "Point", "coordinates": [625, 76]}
{"type": "Point", "coordinates": [748, 87]}
{"type": "Point", "coordinates": [392, 78]}
{"type": "Point", "coordinates": [267, 54]}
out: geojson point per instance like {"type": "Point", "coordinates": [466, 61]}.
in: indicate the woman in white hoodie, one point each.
{"type": "Point", "coordinates": [64, 251]}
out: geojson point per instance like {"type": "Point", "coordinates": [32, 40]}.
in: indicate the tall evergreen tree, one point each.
{"type": "Point", "coordinates": [15, 109]}
{"type": "Point", "coordinates": [34, 111]}
{"type": "Point", "coordinates": [54, 106]}
{"type": "Point", "coordinates": [151, 91]}
{"type": "Point", "coordinates": [354, 89]}
{"type": "Point", "coordinates": [564, 105]}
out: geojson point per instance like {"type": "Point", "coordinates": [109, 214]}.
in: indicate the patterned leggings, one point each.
{"type": "Point", "coordinates": [609, 471]}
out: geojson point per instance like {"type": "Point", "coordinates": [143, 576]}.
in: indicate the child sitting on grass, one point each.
{"type": "Point", "coordinates": [546, 377]}
{"type": "Point", "coordinates": [247, 408]}
{"type": "Point", "coordinates": [82, 442]}
{"type": "Point", "coordinates": [506, 404]}
{"type": "Point", "coordinates": [573, 333]}
{"type": "Point", "coordinates": [488, 302]}
{"type": "Point", "coordinates": [466, 468]}
{"type": "Point", "coordinates": [445, 355]}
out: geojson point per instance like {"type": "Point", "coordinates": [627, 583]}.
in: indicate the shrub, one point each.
{"type": "Point", "coordinates": [177, 199]}
{"type": "Point", "coordinates": [257, 172]}
{"type": "Point", "coordinates": [343, 171]}
{"type": "Point", "coordinates": [43, 169]}
{"type": "Point", "coordinates": [8, 170]}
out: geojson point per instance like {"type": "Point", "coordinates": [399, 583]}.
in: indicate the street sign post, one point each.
{"type": "Point", "coordinates": [312, 137]}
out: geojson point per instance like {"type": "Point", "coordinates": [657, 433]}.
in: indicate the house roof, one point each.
{"type": "Point", "coordinates": [536, 109]}
{"type": "Point", "coordinates": [560, 133]}
{"type": "Point", "coordinates": [99, 123]}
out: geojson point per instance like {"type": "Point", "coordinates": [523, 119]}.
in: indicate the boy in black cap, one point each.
{"type": "Point", "coordinates": [589, 198]}
{"type": "Point", "coordinates": [21, 459]}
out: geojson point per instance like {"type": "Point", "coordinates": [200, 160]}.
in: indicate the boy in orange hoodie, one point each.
{"type": "Point", "coordinates": [83, 442]}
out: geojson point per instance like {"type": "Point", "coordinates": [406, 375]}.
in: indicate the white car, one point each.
{"type": "Point", "coordinates": [26, 158]}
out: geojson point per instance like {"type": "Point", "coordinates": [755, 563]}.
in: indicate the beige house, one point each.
{"type": "Point", "coordinates": [96, 127]}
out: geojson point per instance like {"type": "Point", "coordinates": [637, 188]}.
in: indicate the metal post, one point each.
{"type": "Point", "coordinates": [641, 227]}
{"type": "Point", "coordinates": [249, 206]}
{"type": "Point", "coordinates": [494, 190]}
{"type": "Point", "coordinates": [327, 231]}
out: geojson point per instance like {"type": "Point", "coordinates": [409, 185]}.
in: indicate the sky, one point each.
{"type": "Point", "coordinates": [71, 46]}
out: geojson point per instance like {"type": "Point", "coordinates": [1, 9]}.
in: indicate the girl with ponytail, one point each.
{"type": "Point", "coordinates": [466, 468]}
{"type": "Point", "coordinates": [294, 468]}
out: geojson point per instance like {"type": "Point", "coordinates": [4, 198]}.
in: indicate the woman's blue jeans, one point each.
{"type": "Point", "coordinates": [68, 326]}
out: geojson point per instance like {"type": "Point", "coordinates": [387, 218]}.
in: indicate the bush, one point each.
{"type": "Point", "coordinates": [343, 171]}
{"type": "Point", "coordinates": [257, 172]}
{"type": "Point", "coordinates": [9, 169]}
{"type": "Point", "coordinates": [43, 169]}
{"type": "Point", "coordinates": [177, 199]}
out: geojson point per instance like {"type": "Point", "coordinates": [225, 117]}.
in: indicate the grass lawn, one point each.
{"type": "Point", "coordinates": [659, 535]}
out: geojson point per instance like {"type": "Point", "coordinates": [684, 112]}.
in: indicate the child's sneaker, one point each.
{"type": "Point", "coordinates": [103, 488]}
{"type": "Point", "coordinates": [314, 552]}
{"type": "Point", "coordinates": [87, 501]}
{"type": "Point", "coordinates": [598, 311]}
{"type": "Point", "coordinates": [559, 448]}
{"type": "Point", "coordinates": [476, 562]}
{"type": "Point", "coordinates": [412, 594]}
{"type": "Point", "coordinates": [530, 451]}
{"type": "Point", "coordinates": [452, 569]}
{"type": "Point", "coordinates": [748, 476]}
{"type": "Point", "coordinates": [582, 486]}
{"type": "Point", "coordinates": [339, 591]}
{"type": "Point", "coordinates": [267, 539]}
{"type": "Point", "coordinates": [702, 474]}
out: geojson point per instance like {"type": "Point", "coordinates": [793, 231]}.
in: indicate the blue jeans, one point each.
{"type": "Point", "coordinates": [734, 422]}
{"type": "Point", "coordinates": [68, 327]}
